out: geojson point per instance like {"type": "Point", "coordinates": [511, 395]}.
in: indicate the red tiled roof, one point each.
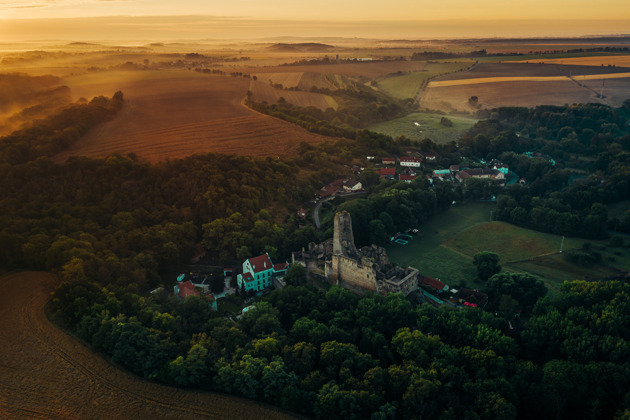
{"type": "Point", "coordinates": [410, 159]}
{"type": "Point", "coordinates": [248, 277]}
{"type": "Point", "coordinates": [281, 266]}
{"type": "Point", "coordinates": [387, 171]}
{"type": "Point", "coordinates": [404, 177]}
{"type": "Point", "coordinates": [260, 263]}
{"type": "Point", "coordinates": [187, 289]}
{"type": "Point", "coordinates": [431, 282]}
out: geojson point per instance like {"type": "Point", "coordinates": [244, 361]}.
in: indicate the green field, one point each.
{"type": "Point", "coordinates": [426, 253]}
{"type": "Point", "coordinates": [407, 85]}
{"type": "Point", "coordinates": [429, 127]}
{"type": "Point", "coordinates": [446, 244]}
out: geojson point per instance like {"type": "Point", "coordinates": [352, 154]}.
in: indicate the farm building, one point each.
{"type": "Point", "coordinates": [259, 273]}
{"type": "Point", "coordinates": [410, 161]}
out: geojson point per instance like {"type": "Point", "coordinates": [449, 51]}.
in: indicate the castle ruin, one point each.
{"type": "Point", "coordinates": [367, 269]}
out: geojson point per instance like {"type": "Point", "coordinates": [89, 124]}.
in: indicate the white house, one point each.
{"type": "Point", "coordinates": [410, 161]}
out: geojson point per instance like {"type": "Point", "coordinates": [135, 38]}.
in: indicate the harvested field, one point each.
{"type": "Point", "coordinates": [262, 92]}
{"type": "Point", "coordinates": [493, 95]}
{"type": "Point", "coordinates": [596, 60]}
{"type": "Point", "coordinates": [176, 114]}
{"type": "Point", "coordinates": [482, 80]}
{"type": "Point", "coordinates": [521, 84]}
{"type": "Point", "coordinates": [46, 373]}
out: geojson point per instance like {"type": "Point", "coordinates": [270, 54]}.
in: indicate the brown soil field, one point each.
{"type": "Point", "coordinates": [45, 373]}
{"type": "Point", "coordinates": [263, 92]}
{"type": "Point", "coordinates": [310, 79]}
{"type": "Point", "coordinates": [599, 60]}
{"type": "Point", "coordinates": [499, 94]}
{"type": "Point", "coordinates": [173, 114]}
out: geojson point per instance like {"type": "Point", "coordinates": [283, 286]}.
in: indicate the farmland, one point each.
{"type": "Point", "coordinates": [521, 84]}
{"type": "Point", "coordinates": [175, 114]}
{"type": "Point", "coordinates": [46, 373]}
{"type": "Point", "coordinates": [591, 60]}
{"type": "Point", "coordinates": [446, 244]}
{"type": "Point", "coordinates": [420, 125]}
{"type": "Point", "coordinates": [262, 92]}
{"type": "Point", "coordinates": [408, 85]}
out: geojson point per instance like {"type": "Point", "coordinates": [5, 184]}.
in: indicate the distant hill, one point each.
{"type": "Point", "coordinates": [301, 47]}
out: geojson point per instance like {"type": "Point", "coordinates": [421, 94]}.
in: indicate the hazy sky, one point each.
{"type": "Point", "coordinates": [545, 17]}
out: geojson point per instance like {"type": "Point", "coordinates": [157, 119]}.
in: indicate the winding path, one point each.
{"type": "Point", "coordinates": [45, 373]}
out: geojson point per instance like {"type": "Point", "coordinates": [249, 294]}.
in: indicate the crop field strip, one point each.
{"type": "Point", "coordinates": [483, 80]}
{"type": "Point", "coordinates": [48, 374]}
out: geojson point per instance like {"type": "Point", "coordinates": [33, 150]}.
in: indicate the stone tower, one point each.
{"type": "Point", "coordinates": [343, 238]}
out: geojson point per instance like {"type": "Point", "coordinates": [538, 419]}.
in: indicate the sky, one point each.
{"type": "Point", "coordinates": [479, 18]}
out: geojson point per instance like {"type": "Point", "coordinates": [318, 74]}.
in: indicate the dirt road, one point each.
{"type": "Point", "coordinates": [45, 373]}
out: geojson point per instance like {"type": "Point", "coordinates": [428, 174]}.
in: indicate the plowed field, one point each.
{"type": "Point", "coordinates": [44, 373]}
{"type": "Point", "coordinates": [177, 114]}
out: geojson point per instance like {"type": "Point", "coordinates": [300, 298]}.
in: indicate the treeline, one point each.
{"type": "Point", "coordinates": [357, 109]}
{"type": "Point", "coordinates": [439, 55]}
{"type": "Point", "coordinates": [58, 131]}
{"type": "Point", "coordinates": [572, 135]}
{"type": "Point", "coordinates": [337, 355]}
{"type": "Point", "coordinates": [118, 220]}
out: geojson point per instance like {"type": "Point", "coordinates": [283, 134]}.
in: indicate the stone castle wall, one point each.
{"type": "Point", "coordinates": [351, 273]}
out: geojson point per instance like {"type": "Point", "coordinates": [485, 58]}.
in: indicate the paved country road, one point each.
{"type": "Point", "coordinates": [45, 373]}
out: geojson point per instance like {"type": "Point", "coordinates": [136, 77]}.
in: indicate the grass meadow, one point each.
{"type": "Point", "coordinates": [445, 246]}
{"type": "Point", "coordinates": [408, 85]}
{"type": "Point", "coordinates": [429, 127]}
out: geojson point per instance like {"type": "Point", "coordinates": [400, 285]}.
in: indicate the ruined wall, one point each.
{"type": "Point", "coordinates": [352, 274]}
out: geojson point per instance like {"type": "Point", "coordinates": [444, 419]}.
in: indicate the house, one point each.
{"type": "Point", "coordinates": [185, 289]}
{"type": "Point", "coordinates": [406, 178]}
{"type": "Point", "coordinates": [410, 161]}
{"type": "Point", "coordinates": [352, 185]}
{"type": "Point", "coordinates": [501, 167]}
{"type": "Point", "coordinates": [429, 157]}
{"type": "Point", "coordinates": [388, 173]}
{"type": "Point", "coordinates": [388, 161]}
{"type": "Point", "coordinates": [433, 284]}
{"type": "Point", "coordinates": [454, 168]}
{"type": "Point", "coordinates": [259, 273]}
{"type": "Point", "coordinates": [483, 173]}
{"type": "Point", "coordinates": [331, 189]}
{"type": "Point", "coordinates": [472, 297]}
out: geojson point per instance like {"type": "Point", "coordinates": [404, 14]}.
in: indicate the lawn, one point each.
{"type": "Point", "coordinates": [408, 85]}
{"type": "Point", "coordinates": [429, 127]}
{"type": "Point", "coordinates": [445, 246]}
{"type": "Point", "coordinates": [426, 253]}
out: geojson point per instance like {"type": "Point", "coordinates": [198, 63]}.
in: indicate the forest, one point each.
{"type": "Point", "coordinates": [115, 228]}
